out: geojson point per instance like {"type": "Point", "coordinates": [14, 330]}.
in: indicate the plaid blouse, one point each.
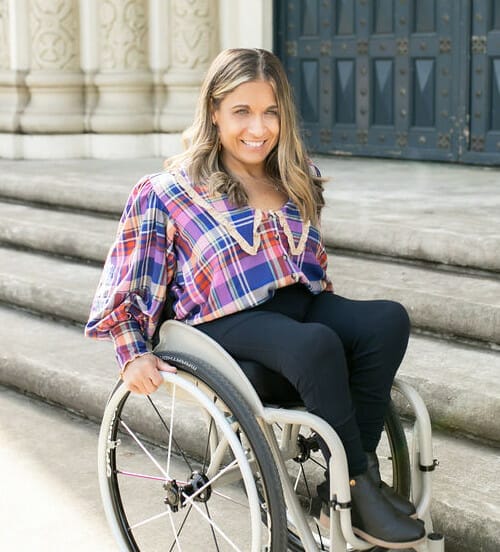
{"type": "Point", "coordinates": [212, 258]}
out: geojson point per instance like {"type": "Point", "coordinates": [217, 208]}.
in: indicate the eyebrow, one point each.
{"type": "Point", "coordinates": [272, 106]}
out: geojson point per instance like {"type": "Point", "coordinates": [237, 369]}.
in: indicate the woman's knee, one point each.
{"type": "Point", "coordinates": [394, 319]}
{"type": "Point", "coordinates": [320, 341]}
{"type": "Point", "coordinates": [318, 352]}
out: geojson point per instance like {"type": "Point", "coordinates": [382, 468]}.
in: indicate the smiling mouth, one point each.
{"type": "Point", "coordinates": [254, 144]}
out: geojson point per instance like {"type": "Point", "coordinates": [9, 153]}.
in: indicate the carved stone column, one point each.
{"type": "Point", "coordinates": [246, 24]}
{"type": "Point", "coordinates": [13, 93]}
{"type": "Point", "coordinates": [193, 44]}
{"type": "Point", "coordinates": [124, 82]}
{"type": "Point", "coordinates": [55, 80]}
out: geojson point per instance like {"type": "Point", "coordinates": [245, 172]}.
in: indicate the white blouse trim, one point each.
{"type": "Point", "coordinates": [226, 222]}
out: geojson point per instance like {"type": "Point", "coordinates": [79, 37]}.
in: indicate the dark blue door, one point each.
{"type": "Point", "coordinates": [417, 79]}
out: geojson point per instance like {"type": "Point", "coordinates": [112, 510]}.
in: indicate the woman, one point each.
{"type": "Point", "coordinates": [229, 235]}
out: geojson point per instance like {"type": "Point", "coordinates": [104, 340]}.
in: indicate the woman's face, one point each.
{"type": "Point", "coordinates": [249, 126]}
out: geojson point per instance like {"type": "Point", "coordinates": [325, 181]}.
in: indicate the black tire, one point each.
{"type": "Point", "coordinates": [399, 457]}
{"type": "Point", "coordinates": [238, 414]}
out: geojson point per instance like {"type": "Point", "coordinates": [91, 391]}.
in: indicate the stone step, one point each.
{"type": "Point", "coordinates": [444, 303]}
{"type": "Point", "coordinates": [458, 397]}
{"type": "Point", "coordinates": [82, 184]}
{"type": "Point", "coordinates": [462, 305]}
{"type": "Point", "coordinates": [466, 504]}
{"type": "Point", "coordinates": [435, 245]}
{"type": "Point", "coordinates": [465, 305]}
{"type": "Point", "coordinates": [58, 232]}
{"type": "Point", "coordinates": [56, 363]}
{"type": "Point", "coordinates": [436, 216]}
{"type": "Point", "coordinates": [428, 211]}
{"type": "Point", "coordinates": [459, 384]}
{"type": "Point", "coordinates": [50, 286]}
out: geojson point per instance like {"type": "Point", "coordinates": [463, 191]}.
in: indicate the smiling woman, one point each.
{"type": "Point", "coordinates": [249, 126]}
{"type": "Point", "coordinates": [229, 237]}
{"type": "Point", "coordinates": [248, 123]}
{"type": "Point", "coordinates": [246, 99]}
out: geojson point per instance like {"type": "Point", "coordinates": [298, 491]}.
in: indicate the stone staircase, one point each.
{"type": "Point", "coordinates": [422, 234]}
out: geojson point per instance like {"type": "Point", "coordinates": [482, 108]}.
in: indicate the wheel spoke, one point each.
{"type": "Point", "coordinates": [230, 498]}
{"type": "Point", "coordinates": [143, 476]}
{"type": "Point", "coordinates": [212, 529]}
{"type": "Point", "coordinates": [318, 463]}
{"type": "Point", "coordinates": [148, 520]}
{"type": "Point", "coordinates": [181, 527]}
{"type": "Point", "coordinates": [172, 409]}
{"type": "Point", "coordinates": [297, 479]}
{"type": "Point", "coordinates": [306, 482]}
{"type": "Point", "coordinates": [164, 424]}
{"type": "Point", "coordinates": [216, 527]}
{"type": "Point", "coordinates": [205, 457]}
{"type": "Point", "coordinates": [176, 535]}
{"type": "Point", "coordinates": [144, 449]}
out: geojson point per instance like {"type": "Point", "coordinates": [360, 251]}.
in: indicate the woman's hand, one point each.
{"type": "Point", "coordinates": [142, 374]}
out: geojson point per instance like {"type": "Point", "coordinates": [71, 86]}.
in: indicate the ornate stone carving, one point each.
{"type": "Point", "coordinates": [123, 33]}
{"type": "Point", "coordinates": [193, 31]}
{"type": "Point", "coordinates": [4, 34]}
{"type": "Point", "coordinates": [54, 31]}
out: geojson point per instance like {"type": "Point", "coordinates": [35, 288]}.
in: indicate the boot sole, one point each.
{"type": "Point", "coordinates": [324, 521]}
{"type": "Point", "coordinates": [385, 544]}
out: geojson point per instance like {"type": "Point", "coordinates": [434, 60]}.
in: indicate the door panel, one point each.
{"type": "Point", "coordinates": [485, 82]}
{"type": "Point", "coordinates": [416, 79]}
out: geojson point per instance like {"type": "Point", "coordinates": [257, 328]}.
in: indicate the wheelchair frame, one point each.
{"type": "Point", "coordinates": [176, 337]}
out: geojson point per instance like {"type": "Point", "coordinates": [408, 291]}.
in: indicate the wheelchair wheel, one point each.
{"type": "Point", "coordinates": [188, 468]}
{"type": "Point", "coordinates": [308, 469]}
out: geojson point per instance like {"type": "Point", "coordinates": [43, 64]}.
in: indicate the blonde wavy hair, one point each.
{"type": "Point", "coordinates": [287, 164]}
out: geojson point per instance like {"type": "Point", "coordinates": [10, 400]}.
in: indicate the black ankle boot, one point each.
{"type": "Point", "coordinates": [377, 521]}
{"type": "Point", "coordinates": [373, 517]}
{"type": "Point", "coordinates": [400, 503]}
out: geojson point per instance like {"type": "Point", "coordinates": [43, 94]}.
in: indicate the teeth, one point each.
{"type": "Point", "coordinates": [254, 144]}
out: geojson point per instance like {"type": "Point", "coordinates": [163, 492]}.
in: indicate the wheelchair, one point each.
{"type": "Point", "coordinates": [217, 459]}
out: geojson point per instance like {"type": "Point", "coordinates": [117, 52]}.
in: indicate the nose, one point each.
{"type": "Point", "coordinates": [257, 126]}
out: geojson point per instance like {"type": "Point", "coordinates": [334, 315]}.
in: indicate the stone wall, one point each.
{"type": "Point", "coordinates": [111, 78]}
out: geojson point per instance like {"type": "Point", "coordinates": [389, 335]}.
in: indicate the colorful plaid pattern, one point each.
{"type": "Point", "coordinates": [212, 258]}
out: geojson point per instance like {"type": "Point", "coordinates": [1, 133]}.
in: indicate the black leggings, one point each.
{"type": "Point", "coordinates": [341, 356]}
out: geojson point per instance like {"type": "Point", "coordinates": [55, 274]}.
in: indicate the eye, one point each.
{"type": "Point", "coordinates": [241, 111]}
{"type": "Point", "coordinates": [273, 112]}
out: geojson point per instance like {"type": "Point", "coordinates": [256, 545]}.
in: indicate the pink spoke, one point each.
{"type": "Point", "coordinates": [144, 476]}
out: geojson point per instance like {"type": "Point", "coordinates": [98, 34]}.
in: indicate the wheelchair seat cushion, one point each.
{"type": "Point", "coordinates": [271, 387]}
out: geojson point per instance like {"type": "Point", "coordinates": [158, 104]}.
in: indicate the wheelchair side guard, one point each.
{"type": "Point", "coordinates": [423, 461]}
{"type": "Point", "coordinates": [339, 481]}
{"type": "Point", "coordinates": [423, 465]}
{"type": "Point", "coordinates": [176, 336]}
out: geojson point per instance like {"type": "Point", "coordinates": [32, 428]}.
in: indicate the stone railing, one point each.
{"type": "Point", "coordinates": [104, 78]}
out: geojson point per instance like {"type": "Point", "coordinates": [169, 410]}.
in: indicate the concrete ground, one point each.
{"type": "Point", "coordinates": [50, 496]}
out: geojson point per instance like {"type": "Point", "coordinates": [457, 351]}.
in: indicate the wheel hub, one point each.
{"type": "Point", "coordinates": [304, 447]}
{"type": "Point", "coordinates": [177, 494]}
